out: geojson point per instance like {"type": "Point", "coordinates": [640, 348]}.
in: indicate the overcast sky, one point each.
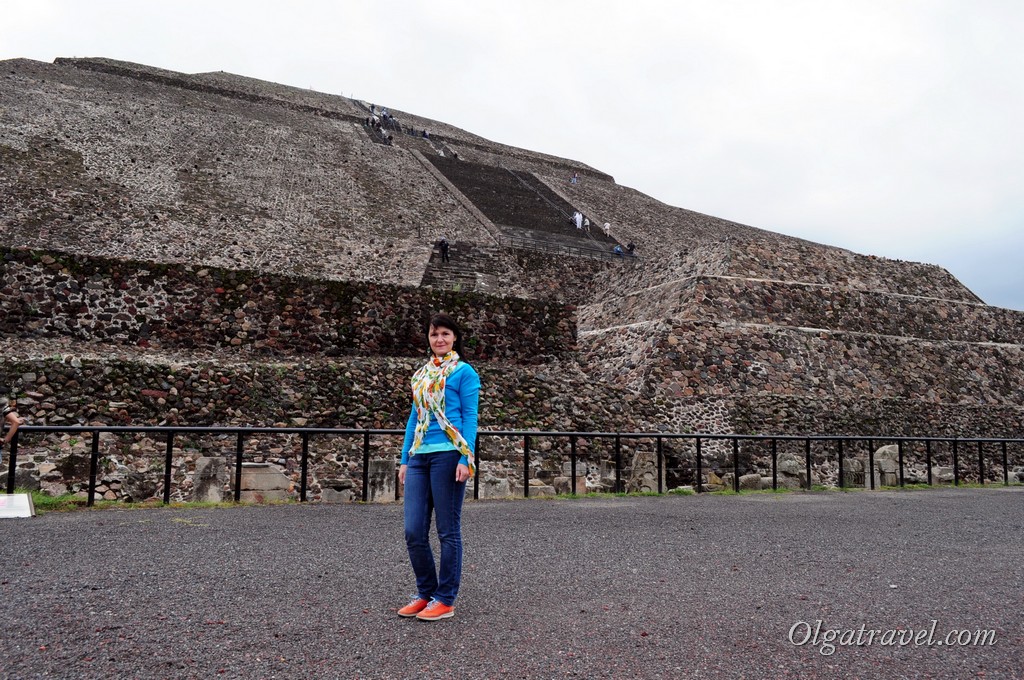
{"type": "Point", "coordinates": [889, 127]}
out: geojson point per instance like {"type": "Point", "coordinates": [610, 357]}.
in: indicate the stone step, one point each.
{"type": "Point", "coordinates": [470, 268]}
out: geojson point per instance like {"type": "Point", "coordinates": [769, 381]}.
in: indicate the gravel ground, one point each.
{"type": "Point", "coordinates": [651, 587]}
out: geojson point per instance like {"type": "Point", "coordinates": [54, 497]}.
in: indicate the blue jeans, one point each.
{"type": "Point", "coordinates": [430, 488]}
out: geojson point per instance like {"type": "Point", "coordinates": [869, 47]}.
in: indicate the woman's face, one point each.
{"type": "Point", "coordinates": [442, 340]}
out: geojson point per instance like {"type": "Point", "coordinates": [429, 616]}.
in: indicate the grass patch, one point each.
{"type": "Point", "coordinates": [44, 503]}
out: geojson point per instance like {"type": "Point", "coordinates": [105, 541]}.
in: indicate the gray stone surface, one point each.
{"type": "Point", "coordinates": [563, 485]}
{"type": "Point", "coordinates": [263, 482]}
{"type": "Point", "coordinates": [211, 477]}
{"type": "Point", "coordinates": [200, 191]}
{"type": "Point", "coordinates": [750, 482]}
{"type": "Point", "coordinates": [619, 587]}
{"type": "Point", "coordinates": [496, 487]}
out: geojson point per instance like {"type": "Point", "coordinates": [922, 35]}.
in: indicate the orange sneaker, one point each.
{"type": "Point", "coordinates": [436, 610]}
{"type": "Point", "coordinates": [414, 607]}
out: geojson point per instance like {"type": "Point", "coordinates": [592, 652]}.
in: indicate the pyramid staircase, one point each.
{"type": "Point", "coordinates": [506, 199]}
{"type": "Point", "coordinates": [471, 268]}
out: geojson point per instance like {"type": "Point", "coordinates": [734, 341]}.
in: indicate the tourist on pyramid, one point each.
{"type": "Point", "coordinates": [437, 461]}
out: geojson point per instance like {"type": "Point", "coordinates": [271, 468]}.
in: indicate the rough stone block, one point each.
{"type": "Point", "coordinates": [537, 490]}
{"type": "Point", "coordinates": [329, 495]}
{"type": "Point", "coordinates": [382, 480]}
{"type": "Point", "coordinates": [53, 488]}
{"type": "Point", "coordinates": [493, 487]}
{"type": "Point", "coordinates": [790, 465]}
{"type": "Point", "coordinates": [210, 478]}
{"type": "Point", "coordinates": [263, 477]}
{"type": "Point", "coordinates": [563, 485]}
{"type": "Point", "coordinates": [751, 482]}
{"type": "Point", "coordinates": [23, 479]}
{"type": "Point", "coordinates": [788, 482]}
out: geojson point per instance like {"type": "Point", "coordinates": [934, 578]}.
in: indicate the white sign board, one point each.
{"type": "Point", "coordinates": [16, 505]}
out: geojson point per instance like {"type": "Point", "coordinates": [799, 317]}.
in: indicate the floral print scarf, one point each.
{"type": "Point", "coordinates": [428, 398]}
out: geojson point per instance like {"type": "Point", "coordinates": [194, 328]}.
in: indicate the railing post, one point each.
{"type": "Point", "coordinates": [842, 480]}
{"type": "Point", "coordinates": [168, 463]}
{"type": "Point", "coordinates": [305, 467]}
{"type": "Point", "coordinates": [239, 447]}
{"type": "Point", "coordinates": [981, 463]}
{"type": "Point", "coordinates": [775, 464]}
{"type": "Point", "coordinates": [93, 464]}
{"type": "Point", "coordinates": [12, 465]}
{"type": "Point", "coordinates": [956, 464]}
{"type": "Point", "coordinates": [618, 463]}
{"type": "Point", "coordinates": [928, 458]}
{"type": "Point", "coordinates": [366, 465]}
{"type": "Point", "coordinates": [736, 464]}
{"type": "Point", "coordinates": [899, 450]}
{"type": "Point", "coordinates": [476, 476]}
{"type": "Point", "coordinates": [660, 467]}
{"type": "Point", "coordinates": [871, 462]}
{"type": "Point", "coordinates": [572, 462]}
{"type": "Point", "coordinates": [526, 466]}
{"type": "Point", "coordinates": [1006, 467]}
{"type": "Point", "coordinates": [700, 471]}
{"type": "Point", "coordinates": [807, 451]}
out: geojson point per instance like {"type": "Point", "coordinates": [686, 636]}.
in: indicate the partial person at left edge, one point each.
{"type": "Point", "coordinates": [11, 422]}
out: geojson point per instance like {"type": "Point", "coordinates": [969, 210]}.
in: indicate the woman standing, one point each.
{"type": "Point", "coordinates": [437, 460]}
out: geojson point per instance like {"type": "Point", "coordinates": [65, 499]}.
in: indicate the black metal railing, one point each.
{"type": "Point", "coordinates": [838, 442]}
{"type": "Point", "coordinates": [543, 246]}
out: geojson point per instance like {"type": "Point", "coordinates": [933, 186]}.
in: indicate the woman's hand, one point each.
{"type": "Point", "coordinates": [401, 474]}
{"type": "Point", "coordinates": [461, 473]}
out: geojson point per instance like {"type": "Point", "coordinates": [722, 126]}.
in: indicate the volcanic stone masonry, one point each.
{"type": "Point", "coordinates": [200, 249]}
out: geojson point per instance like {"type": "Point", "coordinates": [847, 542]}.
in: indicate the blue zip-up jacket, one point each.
{"type": "Point", "coordinates": [461, 400]}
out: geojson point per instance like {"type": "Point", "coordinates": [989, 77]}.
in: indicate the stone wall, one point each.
{"type": "Point", "coordinates": [783, 303]}
{"type": "Point", "coordinates": [646, 279]}
{"type": "Point", "coordinates": [50, 294]}
{"type": "Point", "coordinates": [783, 259]}
{"type": "Point", "coordinates": [147, 388]}
{"type": "Point", "coordinates": [98, 385]}
{"type": "Point", "coordinates": [721, 359]}
{"type": "Point", "coordinates": [558, 277]}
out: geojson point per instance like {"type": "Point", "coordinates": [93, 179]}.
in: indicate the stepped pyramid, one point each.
{"type": "Point", "coordinates": [715, 327]}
